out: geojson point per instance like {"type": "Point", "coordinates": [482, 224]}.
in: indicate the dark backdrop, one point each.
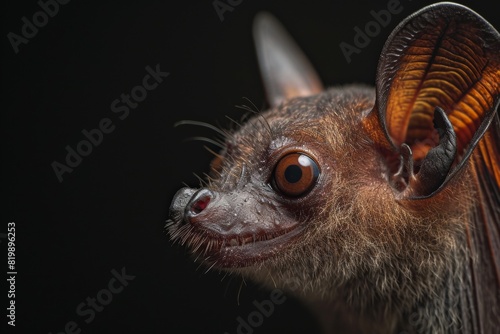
{"type": "Point", "coordinates": [109, 212]}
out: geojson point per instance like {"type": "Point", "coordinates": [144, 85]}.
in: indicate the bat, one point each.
{"type": "Point", "coordinates": [378, 207]}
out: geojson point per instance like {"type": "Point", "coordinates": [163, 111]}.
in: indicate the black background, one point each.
{"type": "Point", "coordinates": [109, 213]}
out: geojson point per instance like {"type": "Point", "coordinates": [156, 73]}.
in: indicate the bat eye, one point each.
{"type": "Point", "coordinates": [295, 174]}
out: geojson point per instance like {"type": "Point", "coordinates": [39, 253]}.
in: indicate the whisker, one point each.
{"type": "Point", "coordinates": [266, 123]}
{"type": "Point", "coordinates": [257, 110]}
{"type": "Point", "coordinates": [234, 121]}
{"type": "Point", "coordinates": [242, 174]}
{"type": "Point", "coordinates": [205, 139]}
{"type": "Point", "coordinates": [260, 116]}
{"type": "Point", "coordinates": [239, 291]}
{"type": "Point", "coordinates": [249, 112]}
{"type": "Point", "coordinates": [210, 267]}
{"type": "Point", "coordinates": [213, 152]}
{"type": "Point", "coordinates": [206, 125]}
{"type": "Point", "coordinates": [203, 183]}
{"type": "Point", "coordinates": [209, 179]}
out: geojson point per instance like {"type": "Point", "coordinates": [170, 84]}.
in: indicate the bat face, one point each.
{"type": "Point", "coordinates": [274, 179]}
{"type": "Point", "coordinates": [382, 202]}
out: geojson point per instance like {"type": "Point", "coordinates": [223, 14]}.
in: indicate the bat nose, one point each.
{"type": "Point", "coordinates": [190, 203]}
{"type": "Point", "coordinates": [198, 203]}
{"type": "Point", "coordinates": [180, 201]}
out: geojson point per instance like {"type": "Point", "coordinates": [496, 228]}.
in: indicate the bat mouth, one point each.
{"type": "Point", "coordinates": [231, 250]}
{"type": "Point", "coordinates": [226, 230]}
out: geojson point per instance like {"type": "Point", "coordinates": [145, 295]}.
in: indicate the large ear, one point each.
{"type": "Point", "coordinates": [284, 69]}
{"type": "Point", "coordinates": [437, 92]}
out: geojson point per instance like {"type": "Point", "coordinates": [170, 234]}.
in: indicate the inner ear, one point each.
{"type": "Point", "coordinates": [444, 56]}
{"type": "Point", "coordinates": [285, 70]}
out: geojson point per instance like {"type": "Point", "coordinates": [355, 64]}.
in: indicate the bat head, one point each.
{"type": "Point", "coordinates": [275, 179]}
{"type": "Point", "coordinates": [352, 188]}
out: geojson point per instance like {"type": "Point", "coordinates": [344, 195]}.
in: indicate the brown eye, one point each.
{"type": "Point", "coordinates": [295, 174]}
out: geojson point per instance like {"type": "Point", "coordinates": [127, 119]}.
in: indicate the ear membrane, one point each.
{"type": "Point", "coordinates": [285, 70]}
{"type": "Point", "coordinates": [444, 56]}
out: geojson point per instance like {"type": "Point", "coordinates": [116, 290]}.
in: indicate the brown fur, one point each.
{"type": "Point", "coordinates": [377, 264]}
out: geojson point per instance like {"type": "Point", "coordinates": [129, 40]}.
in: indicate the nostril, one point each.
{"type": "Point", "coordinates": [200, 204]}
{"type": "Point", "coordinates": [200, 201]}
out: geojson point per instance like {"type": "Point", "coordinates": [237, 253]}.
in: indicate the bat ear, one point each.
{"type": "Point", "coordinates": [437, 91]}
{"type": "Point", "coordinates": [285, 70]}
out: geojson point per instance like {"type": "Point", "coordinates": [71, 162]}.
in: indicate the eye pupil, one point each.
{"type": "Point", "coordinates": [293, 173]}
